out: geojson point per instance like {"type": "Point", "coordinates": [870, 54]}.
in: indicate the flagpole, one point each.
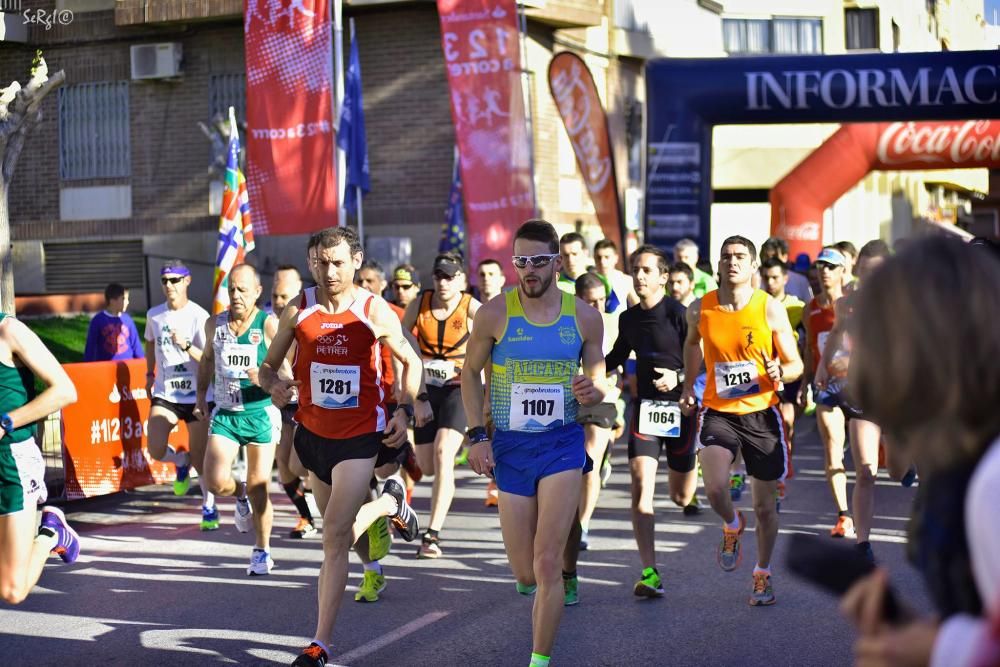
{"type": "Point", "coordinates": [340, 159]}
{"type": "Point", "coordinates": [357, 188]}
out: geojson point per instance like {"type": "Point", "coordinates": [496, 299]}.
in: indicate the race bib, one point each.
{"type": "Point", "coordinates": [660, 418]}
{"type": "Point", "coordinates": [735, 379]}
{"type": "Point", "coordinates": [228, 394]}
{"type": "Point", "coordinates": [438, 371]}
{"type": "Point", "coordinates": [179, 385]}
{"type": "Point", "coordinates": [236, 359]}
{"type": "Point", "coordinates": [536, 407]}
{"type": "Point", "coordinates": [334, 387]}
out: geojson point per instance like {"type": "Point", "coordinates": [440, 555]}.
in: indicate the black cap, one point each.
{"type": "Point", "coordinates": [447, 265]}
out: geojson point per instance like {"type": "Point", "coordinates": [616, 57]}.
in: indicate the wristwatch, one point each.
{"type": "Point", "coordinates": [7, 424]}
{"type": "Point", "coordinates": [477, 434]}
{"type": "Point", "coordinates": [423, 396]}
{"type": "Point", "coordinates": [187, 347]}
{"type": "Point", "coordinates": [680, 377]}
{"type": "Point", "coordinates": [407, 408]}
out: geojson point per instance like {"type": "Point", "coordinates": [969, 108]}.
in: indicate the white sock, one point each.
{"type": "Point", "coordinates": [373, 566]}
{"type": "Point", "coordinates": [766, 570]}
{"type": "Point", "coordinates": [322, 645]}
{"type": "Point", "coordinates": [207, 497]}
{"type": "Point", "coordinates": [174, 456]}
{"type": "Point", "coordinates": [735, 525]}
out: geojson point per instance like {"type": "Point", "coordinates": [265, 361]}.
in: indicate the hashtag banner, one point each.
{"type": "Point", "coordinates": [104, 432]}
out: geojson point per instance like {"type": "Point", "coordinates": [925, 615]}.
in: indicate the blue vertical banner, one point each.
{"type": "Point", "coordinates": [453, 229]}
{"type": "Point", "coordinates": [351, 133]}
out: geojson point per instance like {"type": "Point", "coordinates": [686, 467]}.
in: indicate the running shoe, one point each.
{"type": "Point", "coordinates": [693, 508]}
{"type": "Point", "coordinates": [67, 541]}
{"type": "Point", "coordinates": [463, 457]}
{"type": "Point", "coordinates": [737, 482]}
{"type": "Point", "coordinates": [866, 550]}
{"type": "Point", "coordinates": [182, 480]}
{"type": "Point", "coordinates": [411, 466]}
{"type": "Point", "coordinates": [405, 519]}
{"type": "Point", "coordinates": [371, 586]}
{"type": "Point", "coordinates": [844, 527]}
{"type": "Point", "coordinates": [910, 477]}
{"type": "Point", "coordinates": [303, 529]}
{"type": "Point", "coordinates": [409, 496]}
{"type": "Point", "coordinates": [492, 494]}
{"type": "Point", "coordinates": [209, 518]}
{"type": "Point", "coordinates": [571, 592]}
{"type": "Point", "coordinates": [526, 591]}
{"type": "Point", "coordinates": [729, 555]}
{"type": "Point", "coordinates": [584, 541]}
{"type": "Point", "coordinates": [312, 656]}
{"type": "Point", "coordinates": [762, 593]}
{"type": "Point", "coordinates": [430, 547]}
{"type": "Point", "coordinates": [379, 540]}
{"type": "Point", "coordinates": [649, 585]}
{"type": "Point", "coordinates": [243, 515]}
{"type": "Point", "coordinates": [260, 563]}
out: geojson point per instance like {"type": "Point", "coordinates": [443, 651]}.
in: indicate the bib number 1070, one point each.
{"type": "Point", "coordinates": [538, 407]}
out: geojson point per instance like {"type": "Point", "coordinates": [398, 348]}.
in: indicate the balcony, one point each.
{"type": "Point", "coordinates": [140, 12]}
{"type": "Point", "coordinates": [565, 13]}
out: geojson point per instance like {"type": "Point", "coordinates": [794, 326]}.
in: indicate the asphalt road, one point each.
{"type": "Point", "coordinates": [150, 588]}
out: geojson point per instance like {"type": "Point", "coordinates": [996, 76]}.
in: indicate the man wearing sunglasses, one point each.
{"type": "Point", "coordinates": [534, 339]}
{"type": "Point", "coordinates": [175, 340]}
{"type": "Point", "coordinates": [405, 285]}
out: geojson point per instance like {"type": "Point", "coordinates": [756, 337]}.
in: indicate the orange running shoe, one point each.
{"type": "Point", "coordinates": [729, 554]}
{"type": "Point", "coordinates": [492, 494]}
{"type": "Point", "coordinates": [844, 527]}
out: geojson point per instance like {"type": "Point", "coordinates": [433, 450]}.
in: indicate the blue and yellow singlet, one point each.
{"type": "Point", "coordinates": [531, 387]}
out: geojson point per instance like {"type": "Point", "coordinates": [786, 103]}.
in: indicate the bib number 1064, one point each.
{"type": "Point", "coordinates": [538, 408]}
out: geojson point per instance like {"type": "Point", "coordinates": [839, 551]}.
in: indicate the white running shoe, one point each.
{"type": "Point", "coordinates": [260, 563]}
{"type": "Point", "coordinates": [243, 515]}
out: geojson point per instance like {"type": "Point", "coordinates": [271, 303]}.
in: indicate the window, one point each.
{"type": "Point", "coordinates": [94, 131]}
{"type": "Point", "coordinates": [86, 266]}
{"type": "Point", "coordinates": [779, 35]}
{"type": "Point", "coordinates": [861, 29]}
{"type": "Point", "coordinates": [228, 90]}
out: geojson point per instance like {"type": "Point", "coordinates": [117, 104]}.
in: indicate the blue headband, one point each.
{"type": "Point", "coordinates": [175, 270]}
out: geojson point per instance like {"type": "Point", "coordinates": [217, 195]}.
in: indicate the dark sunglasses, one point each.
{"type": "Point", "coordinates": [400, 286]}
{"type": "Point", "coordinates": [172, 281]}
{"type": "Point", "coordinates": [537, 261]}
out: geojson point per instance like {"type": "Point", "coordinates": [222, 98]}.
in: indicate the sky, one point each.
{"type": "Point", "coordinates": [991, 6]}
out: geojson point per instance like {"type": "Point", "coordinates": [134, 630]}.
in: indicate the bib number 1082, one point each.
{"type": "Point", "coordinates": [538, 407]}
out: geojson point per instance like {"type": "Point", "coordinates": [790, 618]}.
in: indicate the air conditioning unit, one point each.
{"type": "Point", "coordinates": [156, 61]}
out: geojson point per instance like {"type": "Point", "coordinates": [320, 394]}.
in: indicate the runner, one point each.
{"type": "Point", "coordinates": [25, 544]}
{"type": "Point", "coordinates": [442, 319]}
{"type": "Point", "coordinates": [742, 329]}
{"type": "Point", "coordinates": [405, 285]}
{"type": "Point", "coordinates": [655, 330]}
{"type": "Point", "coordinates": [831, 375]}
{"type": "Point", "coordinates": [598, 420]}
{"type": "Point", "coordinates": [606, 259]}
{"type": "Point", "coordinates": [774, 278]}
{"type": "Point", "coordinates": [339, 329]}
{"type": "Point", "coordinates": [686, 252]}
{"type": "Point", "coordinates": [575, 260]}
{"type": "Point", "coordinates": [286, 286]}
{"type": "Point", "coordinates": [681, 283]}
{"type": "Point", "coordinates": [491, 279]}
{"type": "Point", "coordinates": [830, 420]}
{"type": "Point", "coordinates": [175, 340]}
{"type": "Point", "coordinates": [243, 414]}
{"type": "Point", "coordinates": [537, 453]}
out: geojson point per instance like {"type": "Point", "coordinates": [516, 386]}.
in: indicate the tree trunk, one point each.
{"type": "Point", "coordinates": [6, 259]}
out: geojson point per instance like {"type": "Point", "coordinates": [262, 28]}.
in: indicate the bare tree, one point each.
{"type": "Point", "coordinates": [20, 112]}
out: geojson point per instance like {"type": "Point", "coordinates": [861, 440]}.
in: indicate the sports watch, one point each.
{"type": "Point", "coordinates": [7, 424]}
{"type": "Point", "coordinates": [407, 408]}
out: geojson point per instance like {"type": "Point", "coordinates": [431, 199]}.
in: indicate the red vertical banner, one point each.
{"type": "Point", "coordinates": [290, 138]}
{"type": "Point", "coordinates": [104, 432]}
{"type": "Point", "coordinates": [573, 89]}
{"type": "Point", "coordinates": [482, 57]}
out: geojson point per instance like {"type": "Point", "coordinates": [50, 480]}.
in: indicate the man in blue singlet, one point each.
{"type": "Point", "coordinates": [534, 339]}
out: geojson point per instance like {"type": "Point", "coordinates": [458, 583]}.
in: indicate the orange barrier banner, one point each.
{"type": "Point", "coordinates": [104, 432]}
{"type": "Point", "coordinates": [573, 89]}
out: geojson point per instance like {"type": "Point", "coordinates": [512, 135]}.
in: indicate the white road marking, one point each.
{"type": "Point", "coordinates": [391, 637]}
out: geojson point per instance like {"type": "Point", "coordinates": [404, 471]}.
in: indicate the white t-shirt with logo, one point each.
{"type": "Point", "coordinates": [177, 372]}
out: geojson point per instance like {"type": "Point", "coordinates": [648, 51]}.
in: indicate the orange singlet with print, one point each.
{"type": "Point", "coordinates": [338, 359]}
{"type": "Point", "coordinates": [442, 342]}
{"type": "Point", "coordinates": [736, 344]}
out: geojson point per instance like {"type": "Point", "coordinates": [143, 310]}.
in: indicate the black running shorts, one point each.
{"type": "Point", "coordinates": [320, 455]}
{"type": "Point", "coordinates": [183, 411]}
{"type": "Point", "coordinates": [680, 451]}
{"type": "Point", "coordinates": [759, 435]}
{"type": "Point", "coordinates": [446, 402]}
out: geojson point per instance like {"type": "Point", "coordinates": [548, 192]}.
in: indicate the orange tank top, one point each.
{"type": "Point", "coordinates": [338, 359]}
{"type": "Point", "coordinates": [442, 342]}
{"type": "Point", "coordinates": [736, 344]}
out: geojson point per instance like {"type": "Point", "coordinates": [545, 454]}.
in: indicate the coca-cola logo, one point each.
{"type": "Point", "coordinates": [939, 143]}
{"type": "Point", "coordinates": [803, 231]}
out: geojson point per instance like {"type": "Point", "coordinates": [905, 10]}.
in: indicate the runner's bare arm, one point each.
{"type": "Point", "coordinates": [150, 348]}
{"type": "Point", "coordinates": [835, 340]}
{"type": "Point", "coordinates": [206, 367]}
{"type": "Point", "coordinates": [589, 388]}
{"type": "Point", "coordinates": [410, 314]}
{"type": "Point", "coordinates": [390, 333]}
{"type": "Point", "coordinates": [31, 351]}
{"type": "Point", "coordinates": [693, 355]}
{"type": "Point", "coordinates": [807, 362]}
{"type": "Point", "coordinates": [270, 329]}
{"type": "Point", "coordinates": [485, 330]}
{"type": "Point", "coordinates": [788, 367]}
{"type": "Point", "coordinates": [279, 388]}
